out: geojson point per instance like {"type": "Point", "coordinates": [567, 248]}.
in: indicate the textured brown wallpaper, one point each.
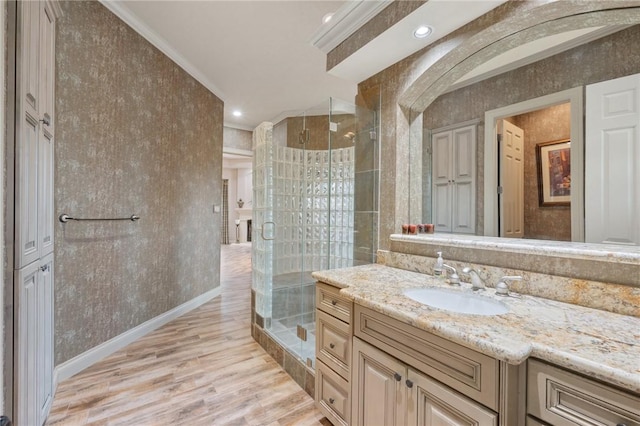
{"type": "Point", "coordinates": [135, 134]}
{"type": "Point", "coordinates": [236, 138]}
{"type": "Point", "coordinates": [549, 124]}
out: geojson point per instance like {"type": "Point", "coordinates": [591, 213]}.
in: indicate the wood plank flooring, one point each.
{"type": "Point", "coordinates": [200, 369]}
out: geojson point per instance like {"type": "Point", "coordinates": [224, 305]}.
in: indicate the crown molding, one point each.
{"type": "Point", "coordinates": [161, 44]}
{"type": "Point", "coordinates": [238, 126]}
{"type": "Point", "coordinates": [346, 21]}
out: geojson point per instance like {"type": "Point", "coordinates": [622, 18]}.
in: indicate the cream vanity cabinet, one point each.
{"type": "Point", "coordinates": [34, 210]}
{"type": "Point", "coordinates": [333, 354]}
{"type": "Point", "coordinates": [562, 398]}
{"type": "Point", "coordinates": [406, 376]}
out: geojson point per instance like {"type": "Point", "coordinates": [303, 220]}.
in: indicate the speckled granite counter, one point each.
{"type": "Point", "coordinates": [599, 344]}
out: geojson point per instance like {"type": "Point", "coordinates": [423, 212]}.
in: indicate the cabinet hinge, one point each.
{"type": "Point", "coordinates": [499, 190]}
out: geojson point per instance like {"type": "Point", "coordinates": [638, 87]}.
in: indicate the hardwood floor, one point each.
{"type": "Point", "coordinates": [200, 369]}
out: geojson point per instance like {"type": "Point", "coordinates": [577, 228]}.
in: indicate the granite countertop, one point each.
{"type": "Point", "coordinates": [596, 343]}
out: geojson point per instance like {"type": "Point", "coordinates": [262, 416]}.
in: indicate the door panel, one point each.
{"type": "Point", "coordinates": [26, 355]}
{"type": "Point", "coordinates": [27, 241]}
{"type": "Point", "coordinates": [511, 181]}
{"type": "Point", "coordinates": [29, 54]}
{"type": "Point", "coordinates": [45, 336]}
{"type": "Point", "coordinates": [379, 394]}
{"type": "Point", "coordinates": [47, 66]}
{"type": "Point", "coordinates": [612, 162]}
{"type": "Point", "coordinates": [45, 195]}
{"type": "Point", "coordinates": [433, 404]}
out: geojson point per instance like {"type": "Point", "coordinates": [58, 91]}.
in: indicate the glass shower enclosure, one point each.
{"type": "Point", "coordinates": [314, 208]}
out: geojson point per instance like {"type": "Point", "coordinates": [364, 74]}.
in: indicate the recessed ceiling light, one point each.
{"type": "Point", "coordinates": [422, 31]}
{"type": "Point", "coordinates": [326, 18]}
{"type": "Point", "coordinates": [237, 113]}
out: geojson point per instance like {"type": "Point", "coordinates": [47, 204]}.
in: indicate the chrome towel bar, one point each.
{"type": "Point", "coordinates": [64, 218]}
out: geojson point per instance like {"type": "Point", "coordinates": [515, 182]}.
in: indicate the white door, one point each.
{"type": "Point", "coordinates": [442, 179]}
{"type": "Point", "coordinates": [464, 183]}
{"type": "Point", "coordinates": [612, 162]}
{"type": "Point", "coordinates": [512, 181]}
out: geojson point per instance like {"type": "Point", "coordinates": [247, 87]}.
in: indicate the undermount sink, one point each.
{"type": "Point", "coordinates": [456, 301]}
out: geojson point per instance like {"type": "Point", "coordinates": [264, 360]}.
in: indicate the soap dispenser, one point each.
{"type": "Point", "coordinates": [437, 270]}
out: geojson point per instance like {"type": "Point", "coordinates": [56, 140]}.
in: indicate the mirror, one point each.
{"type": "Point", "coordinates": [551, 76]}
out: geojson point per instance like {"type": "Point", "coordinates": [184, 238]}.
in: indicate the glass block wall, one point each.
{"type": "Point", "coordinates": [303, 211]}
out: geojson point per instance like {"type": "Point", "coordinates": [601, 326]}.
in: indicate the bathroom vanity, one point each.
{"type": "Point", "coordinates": [385, 359]}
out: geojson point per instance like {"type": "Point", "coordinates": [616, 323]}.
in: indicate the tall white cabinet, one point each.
{"type": "Point", "coordinates": [34, 210]}
{"type": "Point", "coordinates": [454, 179]}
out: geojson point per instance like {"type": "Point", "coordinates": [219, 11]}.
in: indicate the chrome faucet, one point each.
{"type": "Point", "coordinates": [502, 288]}
{"type": "Point", "coordinates": [476, 281]}
{"type": "Point", "coordinates": [453, 278]}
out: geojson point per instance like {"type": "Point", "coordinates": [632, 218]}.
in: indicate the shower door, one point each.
{"type": "Point", "coordinates": [304, 216]}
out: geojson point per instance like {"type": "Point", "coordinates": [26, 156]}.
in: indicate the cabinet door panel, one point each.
{"type": "Point", "coordinates": [464, 208]}
{"type": "Point", "coordinates": [47, 66]}
{"type": "Point", "coordinates": [379, 394]}
{"type": "Point", "coordinates": [442, 207]}
{"type": "Point", "coordinates": [28, 54]}
{"type": "Point", "coordinates": [45, 194]}
{"type": "Point", "coordinates": [433, 404]}
{"type": "Point", "coordinates": [27, 240]}
{"type": "Point", "coordinates": [26, 345]}
{"type": "Point", "coordinates": [454, 177]}
{"type": "Point", "coordinates": [464, 160]}
{"type": "Point", "coordinates": [45, 336]}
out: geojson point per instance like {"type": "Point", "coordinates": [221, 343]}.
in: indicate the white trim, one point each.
{"type": "Point", "coordinates": [3, 132]}
{"type": "Point", "coordinates": [237, 151]}
{"type": "Point", "coordinates": [554, 50]}
{"type": "Point", "coordinates": [346, 21]}
{"type": "Point", "coordinates": [152, 37]}
{"type": "Point", "coordinates": [474, 122]}
{"type": "Point", "coordinates": [238, 126]}
{"type": "Point", "coordinates": [87, 359]}
{"type": "Point", "coordinates": [575, 97]}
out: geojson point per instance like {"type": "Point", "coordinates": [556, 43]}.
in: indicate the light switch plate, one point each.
{"type": "Point", "coordinates": [216, 208]}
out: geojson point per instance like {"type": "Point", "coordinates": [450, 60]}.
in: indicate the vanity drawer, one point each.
{"type": "Point", "coordinates": [463, 369]}
{"type": "Point", "coordinates": [332, 395]}
{"type": "Point", "coordinates": [563, 398]}
{"type": "Point", "coordinates": [329, 300]}
{"type": "Point", "coordinates": [333, 343]}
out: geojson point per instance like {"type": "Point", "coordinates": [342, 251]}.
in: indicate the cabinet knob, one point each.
{"type": "Point", "coordinates": [334, 302]}
{"type": "Point", "coordinates": [331, 400]}
{"type": "Point", "coordinates": [409, 383]}
{"type": "Point", "coordinates": [331, 345]}
{"type": "Point", "coordinates": [46, 120]}
{"type": "Point", "coordinates": [397, 377]}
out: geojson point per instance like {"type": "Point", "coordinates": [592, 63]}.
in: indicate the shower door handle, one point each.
{"type": "Point", "coordinates": [264, 225]}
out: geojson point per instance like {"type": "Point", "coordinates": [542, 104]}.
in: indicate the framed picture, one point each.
{"type": "Point", "coordinates": [554, 172]}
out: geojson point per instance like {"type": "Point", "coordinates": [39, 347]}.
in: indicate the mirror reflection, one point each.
{"type": "Point", "coordinates": [502, 153]}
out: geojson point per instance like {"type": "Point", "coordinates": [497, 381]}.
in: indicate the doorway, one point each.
{"type": "Point", "coordinates": [572, 97]}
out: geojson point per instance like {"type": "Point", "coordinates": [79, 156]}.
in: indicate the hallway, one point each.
{"type": "Point", "coordinates": [203, 368]}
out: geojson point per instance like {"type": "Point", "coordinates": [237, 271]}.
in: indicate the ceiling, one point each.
{"type": "Point", "coordinates": [268, 58]}
{"type": "Point", "coordinates": [257, 55]}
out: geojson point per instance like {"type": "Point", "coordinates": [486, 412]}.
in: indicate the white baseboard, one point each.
{"type": "Point", "coordinates": [87, 359]}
